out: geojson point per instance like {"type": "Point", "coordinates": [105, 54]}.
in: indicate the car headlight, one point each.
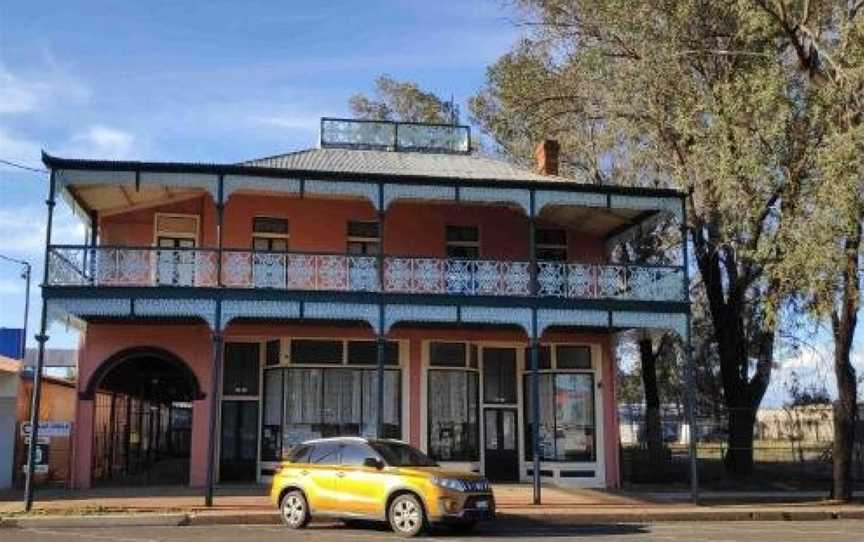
{"type": "Point", "coordinates": [449, 483]}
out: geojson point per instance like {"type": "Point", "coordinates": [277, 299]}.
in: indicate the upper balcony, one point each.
{"type": "Point", "coordinates": [105, 266]}
{"type": "Point", "coordinates": [413, 180]}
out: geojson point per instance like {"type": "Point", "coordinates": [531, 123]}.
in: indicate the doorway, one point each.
{"type": "Point", "coordinates": [142, 418]}
{"type": "Point", "coordinates": [175, 261]}
{"type": "Point", "coordinates": [500, 420]}
{"type": "Point", "coordinates": [500, 447]}
{"type": "Point", "coordinates": [239, 446]}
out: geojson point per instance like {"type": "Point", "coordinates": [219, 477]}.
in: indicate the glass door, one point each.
{"type": "Point", "coordinates": [239, 448]}
{"type": "Point", "coordinates": [175, 262]}
{"type": "Point", "coordinates": [499, 444]}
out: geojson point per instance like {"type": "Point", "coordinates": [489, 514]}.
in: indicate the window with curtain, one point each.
{"type": "Point", "coordinates": [567, 417]}
{"type": "Point", "coordinates": [453, 419]}
{"type": "Point", "coordinates": [306, 403]}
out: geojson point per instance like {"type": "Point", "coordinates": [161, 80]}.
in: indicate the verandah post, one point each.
{"type": "Point", "coordinates": [381, 343]}
{"type": "Point", "coordinates": [214, 406]}
{"type": "Point", "coordinates": [217, 353]}
{"type": "Point", "coordinates": [535, 357]}
{"type": "Point", "coordinates": [689, 370]}
{"type": "Point", "coordinates": [41, 338]}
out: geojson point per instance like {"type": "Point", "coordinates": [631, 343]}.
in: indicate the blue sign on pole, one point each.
{"type": "Point", "coordinates": [11, 342]}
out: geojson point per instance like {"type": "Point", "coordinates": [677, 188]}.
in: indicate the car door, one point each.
{"type": "Point", "coordinates": [320, 485]}
{"type": "Point", "coordinates": [362, 489]}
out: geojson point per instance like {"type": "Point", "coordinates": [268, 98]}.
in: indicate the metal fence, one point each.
{"type": "Point", "coordinates": [790, 464]}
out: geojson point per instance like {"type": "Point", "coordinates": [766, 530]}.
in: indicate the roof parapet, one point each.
{"type": "Point", "coordinates": [394, 136]}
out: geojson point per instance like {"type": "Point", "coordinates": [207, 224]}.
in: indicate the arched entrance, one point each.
{"type": "Point", "coordinates": [142, 418]}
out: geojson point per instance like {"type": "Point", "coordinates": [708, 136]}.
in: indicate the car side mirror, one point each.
{"type": "Point", "coordinates": [373, 462]}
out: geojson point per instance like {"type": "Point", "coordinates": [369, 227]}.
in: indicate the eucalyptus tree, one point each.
{"type": "Point", "coordinates": [822, 255]}
{"type": "Point", "coordinates": [691, 94]}
{"type": "Point", "coordinates": [403, 101]}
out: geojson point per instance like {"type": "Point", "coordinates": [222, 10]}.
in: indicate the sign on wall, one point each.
{"type": "Point", "coordinates": [48, 429]}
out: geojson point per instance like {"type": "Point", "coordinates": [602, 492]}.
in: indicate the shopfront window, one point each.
{"type": "Point", "coordinates": [306, 403]}
{"type": "Point", "coordinates": [567, 417]}
{"type": "Point", "coordinates": [453, 420]}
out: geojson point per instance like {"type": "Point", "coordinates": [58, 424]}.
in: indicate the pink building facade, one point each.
{"type": "Point", "coordinates": [388, 283]}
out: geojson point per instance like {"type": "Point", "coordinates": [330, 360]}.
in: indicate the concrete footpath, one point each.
{"type": "Point", "coordinates": [250, 506]}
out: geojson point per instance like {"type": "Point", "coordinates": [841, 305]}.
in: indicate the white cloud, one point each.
{"type": "Point", "coordinates": [53, 86]}
{"type": "Point", "coordinates": [103, 142]}
{"type": "Point", "coordinates": [16, 96]}
{"type": "Point", "coordinates": [18, 149]}
{"type": "Point", "coordinates": [24, 231]}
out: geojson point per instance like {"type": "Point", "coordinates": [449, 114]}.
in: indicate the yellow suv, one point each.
{"type": "Point", "coordinates": [387, 480]}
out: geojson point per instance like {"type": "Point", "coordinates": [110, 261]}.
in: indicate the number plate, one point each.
{"type": "Point", "coordinates": [482, 505]}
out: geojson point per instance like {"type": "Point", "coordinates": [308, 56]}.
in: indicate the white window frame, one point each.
{"type": "Point", "coordinates": [267, 235]}
{"type": "Point", "coordinates": [554, 246]}
{"type": "Point", "coordinates": [469, 244]}
{"type": "Point", "coordinates": [157, 233]}
{"type": "Point", "coordinates": [359, 239]}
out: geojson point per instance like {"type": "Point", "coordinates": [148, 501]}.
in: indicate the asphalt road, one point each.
{"type": "Point", "coordinates": [787, 531]}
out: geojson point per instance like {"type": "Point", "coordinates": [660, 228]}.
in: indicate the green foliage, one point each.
{"type": "Point", "coordinates": [752, 106]}
{"type": "Point", "coordinates": [403, 101]}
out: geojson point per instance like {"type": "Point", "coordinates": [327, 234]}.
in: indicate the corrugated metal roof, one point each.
{"type": "Point", "coordinates": [389, 163]}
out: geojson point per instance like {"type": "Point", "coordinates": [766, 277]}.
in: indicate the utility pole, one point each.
{"type": "Point", "coordinates": [26, 276]}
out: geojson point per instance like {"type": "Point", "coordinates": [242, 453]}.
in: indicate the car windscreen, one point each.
{"type": "Point", "coordinates": [397, 454]}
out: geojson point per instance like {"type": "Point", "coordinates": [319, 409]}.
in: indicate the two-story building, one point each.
{"type": "Point", "coordinates": [388, 282]}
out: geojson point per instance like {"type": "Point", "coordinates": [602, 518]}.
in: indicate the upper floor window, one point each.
{"type": "Point", "coordinates": [551, 244]}
{"type": "Point", "coordinates": [269, 234]}
{"type": "Point", "coordinates": [363, 237]}
{"type": "Point", "coordinates": [462, 241]}
{"type": "Point", "coordinates": [174, 231]}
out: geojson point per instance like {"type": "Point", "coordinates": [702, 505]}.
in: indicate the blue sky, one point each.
{"type": "Point", "coordinates": [210, 81]}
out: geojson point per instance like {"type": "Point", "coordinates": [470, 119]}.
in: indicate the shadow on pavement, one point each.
{"type": "Point", "coordinates": [527, 528]}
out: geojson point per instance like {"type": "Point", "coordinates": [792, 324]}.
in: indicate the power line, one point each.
{"type": "Point", "coordinates": [22, 166]}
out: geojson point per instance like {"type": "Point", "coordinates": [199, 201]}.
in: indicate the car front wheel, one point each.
{"type": "Point", "coordinates": [406, 515]}
{"type": "Point", "coordinates": [294, 510]}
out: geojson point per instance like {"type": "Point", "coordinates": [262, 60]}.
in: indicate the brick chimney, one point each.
{"type": "Point", "coordinates": [546, 157]}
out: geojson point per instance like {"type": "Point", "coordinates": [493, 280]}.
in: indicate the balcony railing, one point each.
{"type": "Point", "coordinates": [199, 267]}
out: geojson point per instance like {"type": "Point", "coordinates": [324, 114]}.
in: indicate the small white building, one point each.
{"type": "Point", "coordinates": [9, 379]}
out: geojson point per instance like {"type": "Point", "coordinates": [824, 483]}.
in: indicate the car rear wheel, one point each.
{"type": "Point", "coordinates": [406, 515]}
{"type": "Point", "coordinates": [294, 510]}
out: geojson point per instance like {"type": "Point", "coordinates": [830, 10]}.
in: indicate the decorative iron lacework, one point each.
{"type": "Point", "coordinates": [393, 192]}
{"type": "Point", "coordinates": [542, 198]}
{"type": "Point", "coordinates": [496, 315]}
{"type": "Point", "coordinates": [82, 307]}
{"type": "Point", "coordinates": [343, 188]}
{"type": "Point", "coordinates": [520, 197]}
{"type": "Point", "coordinates": [343, 311]}
{"type": "Point", "coordinates": [566, 317]}
{"type": "Point", "coordinates": [665, 204]}
{"type": "Point", "coordinates": [281, 270]}
{"type": "Point", "coordinates": [232, 183]}
{"type": "Point", "coordinates": [186, 180]}
{"type": "Point", "coordinates": [592, 281]}
{"type": "Point", "coordinates": [201, 308]}
{"type": "Point", "coordinates": [456, 276]}
{"type": "Point", "coordinates": [418, 313]}
{"type": "Point", "coordinates": [280, 310]}
{"type": "Point", "coordinates": [677, 322]}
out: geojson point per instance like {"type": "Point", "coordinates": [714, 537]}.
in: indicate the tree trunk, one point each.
{"type": "Point", "coordinates": [653, 426]}
{"type": "Point", "coordinates": [739, 456]}
{"type": "Point", "coordinates": [844, 322]}
{"type": "Point", "coordinates": [725, 286]}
